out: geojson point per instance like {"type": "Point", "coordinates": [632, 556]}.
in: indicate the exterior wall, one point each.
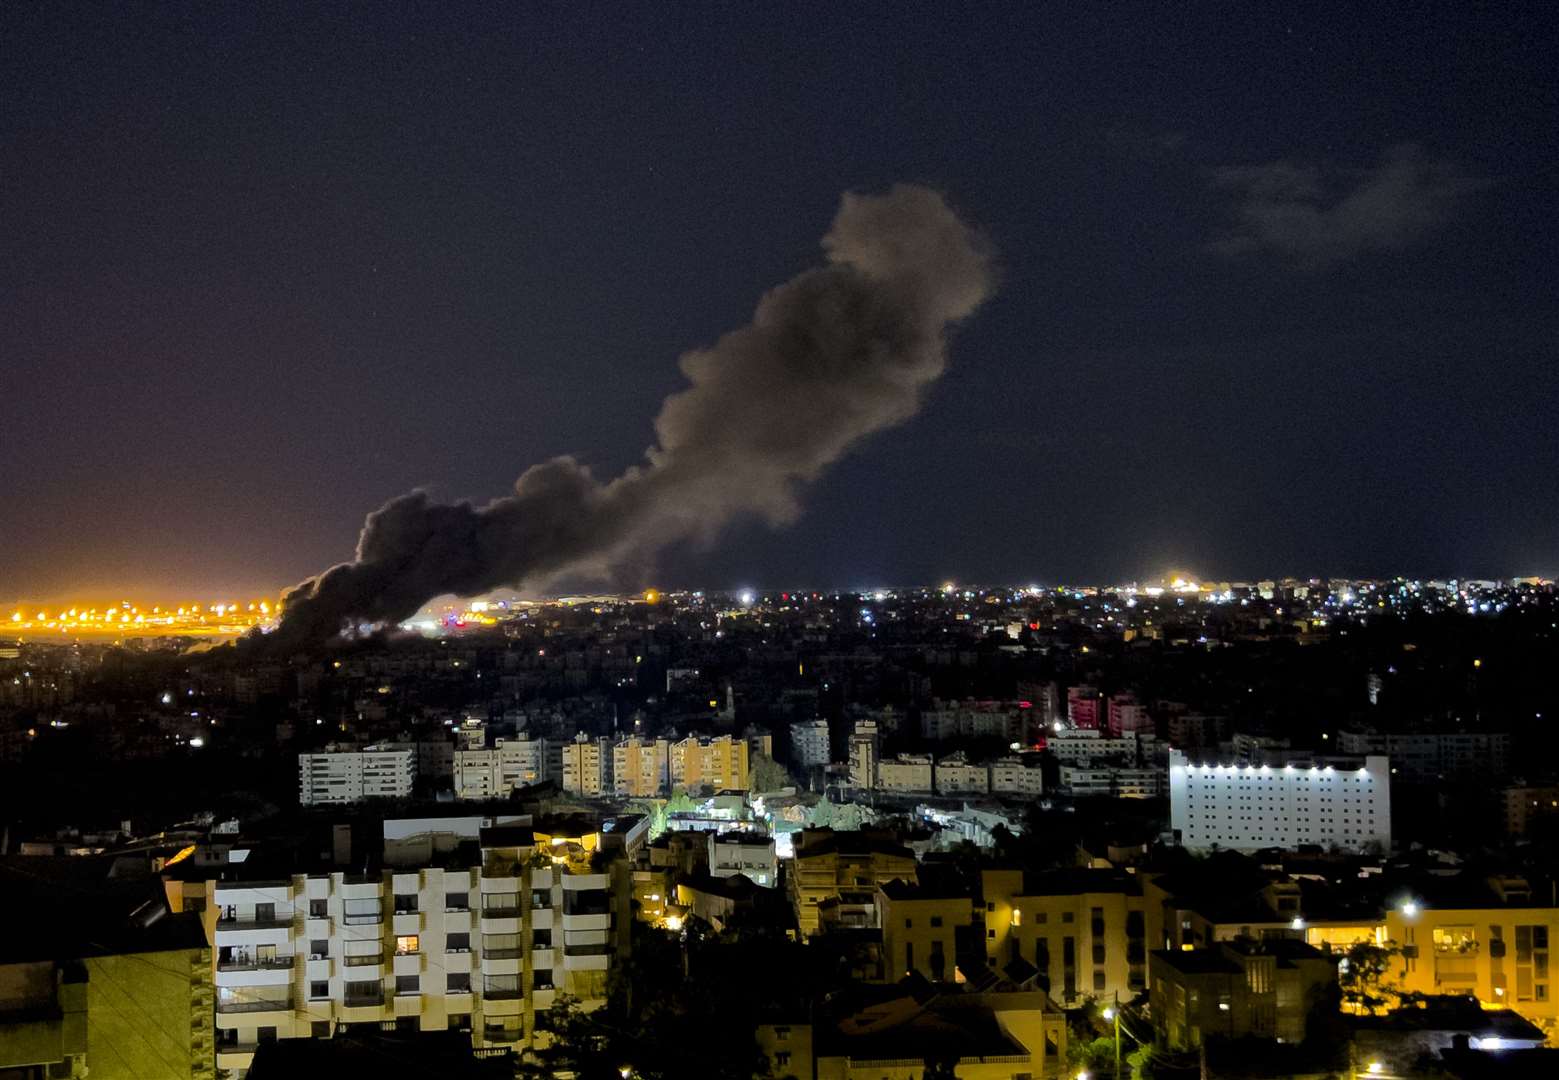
{"type": "Point", "coordinates": [1496, 954]}
{"type": "Point", "coordinates": [1249, 807]}
{"type": "Point", "coordinates": [1010, 776]}
{"type": "Point", "coordinates": [495, 773]}
{"type": "Point", "coordinates": [719, 763]}
{"type": "Point", "coordinates": [918, 935]}
{"type": "Point", "coordinates": [809, 743]}
{"type": "Point", "coordinates": [43, 1018]}
{"type": "Point", "coordinates": [483, 947]}
{"type": "Point", "coordinates": [740, 853]}
{"type": "Point", "coordinates": [788, 1048]}
{"type": "Point", "coordinates": [348, 776]}
{"type": "Point", "coordinates": [955, 776]}
{"type": "Point", "coordinates": [1071, 746]}
{"type": "Point", "coordinates": [1083, 780]}
{"type": "Point", "coordinates": [586, 765]}
{"type": "Point", "coordinates": [150, 1014]}
{"type": "Point", "coordinates": [907, 772]}
{"type": "Point", "coordinates": [1107, 931]}
{"type": "Point", "coordinates": [641, 768]}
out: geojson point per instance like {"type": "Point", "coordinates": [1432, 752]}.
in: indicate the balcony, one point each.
{"type": "Point", "coordinates": [275, 963]}
{"type": "Point", "coordinates": [363, 1001]}
{"type": "Point", "coordinates": [364, 960]}
{"type": "Point", "coordinates": [363, 919]}
{"type": "Point", "coordinates": [503, 995]}
{"type": "Point", "coordinates": [249, 922]}
{"type": "Point", "coordinates": [252, 1005]}
{"type": "Point", "coordinates": [500, 954]}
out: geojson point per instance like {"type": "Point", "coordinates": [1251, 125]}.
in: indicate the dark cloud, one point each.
{"type": "Point", "coordinates": [831, 356]}
{"type": "Point", "coordinates": [1318, 215]}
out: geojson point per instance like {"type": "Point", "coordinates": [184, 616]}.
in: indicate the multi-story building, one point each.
{"type": "Point", "coordinates": [1091, 745]}
{"type": "Point", "coordinates": [1002, 720]}
{"type": "Point", "coordinates": [718, 763]}
{"type": "Point", "coordinates": [641, 768]}
{"type": "Point", "coordinates": [1430, 756]}
{"type": "Point", "coordinates": [746, 853]}
{"type": "Point", "coordinates": [587, 766]}
{"type": "Point", "coordinates": [957, 775]}
{"type": "Point", "coordinates": [809, 747]}
{"type": "Point", "coordinates": [1237, 989]}
{"type": "Point", "coordinates": [1193, 730]}
{"type": "Point", "coordinates": [1525, 807]}
{"type": "Point", "coordinates": [919, 927]}
{"type": "Point", "coordinates": [1017, 776]}
{"type": "Point", "coordinates": [1084, 779]}
{"type": "Point", "coordinates": [909, 774]}
{"type": "Point", "coordinates": [339, 775]}
{"type": "Point", "coordinates": [1084, 931]}
{"type": "Point", "coordinates": [1083, 707]}
{"type": "Point", "coordinates": [425, 946]}
{"type": "Point", "coordinates": [495, 773]}
{"type": "Point", "coordinates": [1125, 715]}
{"type": "Point", "coordinates": [863, 756]}
{"type": "Point", "coordinates": [1249, 807]}
{"type": "Point", "coordinates": [830, 864]}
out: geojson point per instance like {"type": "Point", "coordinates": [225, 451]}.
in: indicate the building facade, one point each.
{"type": "Point", "coordinates": [342, 775]}
{"type": "Point", "coordinates": [641, 768]}
{"type": "Point", "coordinates": [1249, 807]}
{"type": "Point", "coordinates": [718, 763]}
{"type": "Point", "coordinates": [809, 747]}
{"type": "Point", "coordinates": [495, 773]}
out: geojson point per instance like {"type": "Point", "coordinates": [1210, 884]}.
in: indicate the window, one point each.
{"type": "Point", "coordinates": [541, 898]}
{"type": "Point", "coordinates": [265, 1034]}
{"type": "Point", "coordinates": [908, 923]}
{"type": "Point", "coordinates": [319, 909]}
{"type": "Point", "coordinates": [457, 982]}
{"type": "Point", "coordinates": [407, 984]}
{"type": "Point", "coordinates": [541, 939]}
{"type": "Point", "coordinates": [500, 946]}
{"type": "Point", "coordinates": [360, 912]}
{"type": "Point", "coordinates": [1068, 916]}
{"type": "Point", "coordinates": [265, 913]}
{"type": "Point", "coordinates": [457, 901]}
{"type": "Point", "coordinates": [405, 903]}
{"type": "Point", "coordinates": [320, 1029]}
{"type": "Point", "coordinates": [319, 948]}
{"type": "Point", "coordinates": [460, 1021]}
{"type": "Point", "coordinates": [1098, 978]}
{"type": "Point", "coordinates": [936, 920]}
{"type": "Point", "coordinates": [501, 986]}
{"type": "Point", "coordinates": [319, 988]}
{"type": "Point", "coordinates": [782, 1058]}
{"type": "Point", "coordinates": [457, 943]}
{"type": "Point", "coordinates": [407, 944]}
{"type": "Point", "coordinates": [541, 978]}
{"type": "Point", "coordinates": [501, 903]}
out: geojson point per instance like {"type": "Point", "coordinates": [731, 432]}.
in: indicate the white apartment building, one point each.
{"type": "Point", "coordinates": [587, 766]}
{"type": "Point", "coordinates": [752, 854]}
{"type": "Point", "coordinates": [483, 948]}
{"type": "Point", "coordinates": [1084, 779]}
{"type": "Point", "coordinates": [342, 775]}
{"type": "Point", "coordinates": [995, 719]}
{"type": "Point", "coordinates": [809, 743]}
{"type": "Point", "coordinates": [1280, 805]}
{"type": "Point", "coordinates": [1016, 776]}
{"type": "Point", "coordinates": [1429, 756]}
{"type": "Point", "coordinates": [495, 773]}
{"type": "Point", "coordinates": [955, 775]}
{"type": "Point", "coordinates": [908, 773]}
{"type": "Point", "coordinates": [1076, 744]}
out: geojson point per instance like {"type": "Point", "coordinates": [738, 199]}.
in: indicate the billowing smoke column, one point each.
{"type": "Point", "coordinates": [830, 357]}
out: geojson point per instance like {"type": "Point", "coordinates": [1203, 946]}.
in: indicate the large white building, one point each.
{"type": "Point", "coordinates": [809, 743]}
{"type": "Point", "coordinates": [341, 775]}
{"type": "Point", "coordinates": [427, 945]}
{"type": "Point", "coordinates": [1247, 807]}
{"type": "Point", "coordinates": [956, 775]}
{"type": "Point", "coordinates": [750, 854]}
{"type": "Point", "coordinates": [1017, 776]}
{"type": "Point", "coordinates": [906, 773]}
{"type": "Point", "coordinates": [1090, 744]}
{"type": "Point", "coordinates": [495, 773]}
{"type": "Point", "coordinates": [1430, 756]}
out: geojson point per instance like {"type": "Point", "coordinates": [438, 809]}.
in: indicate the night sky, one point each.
{"type": "Point", "coordinates": [1278, 287]}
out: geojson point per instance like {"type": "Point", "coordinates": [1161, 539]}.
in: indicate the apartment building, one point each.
{"type": "Point", "coordinates": [809, 747]}
{"type": "Point", "coordinates": [910, 774]}
{"type": "Point", "coordinates": [1017, 776]}
{"type": "Point", "coordinates": [1004, 720]}
{"type": "Point", "coordinates": [1084, 779]}
{"type": "Point", "coordinates": [829, 864]}
{"type": "Point", "coordinates": [864, 752]}
{"type": "Point", "coordinates": [641, 768]}
{"type": "Point", "coordinates": [587, 766]}
{"type": "Point", "coordinates": [715, 763]}
{"type": "Point", "coordinates": [1091, 744]}
{"type": "Point", "coordinates": [957, 775]}
{"type": "Point", "coordinates": [495, 773]}
{"type": "Point", "coordinates": [1084, 931]}
{"type": "Point", "coordinates": [919, 927]}
{"type": "Point", "coordinates": [746, 853]}
{"type": "Point", "coordinates": [484, 947]}
{"type": "Point", "coordinates": [340, 775]}
{"type": "Point", "coordinates": [1529, 807]}
{"type": "Point", "coordinates": [1235, 990]}
{"type": "Point", "coordinates": [1247, 807]}
{"type": "Point", "coordinates": [1430, 756]}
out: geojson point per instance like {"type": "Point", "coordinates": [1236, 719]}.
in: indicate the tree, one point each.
{"type": "Point", "coordinates": [1364, 977]}
{"type": "Point", "coordinates": [766, 774]}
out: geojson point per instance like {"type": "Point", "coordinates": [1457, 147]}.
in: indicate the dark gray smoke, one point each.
{"type": "Point", "coordinates": [830, 357]}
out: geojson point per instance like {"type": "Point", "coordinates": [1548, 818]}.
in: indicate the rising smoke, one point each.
{"type": "Point", "coordinates": [831, 356]}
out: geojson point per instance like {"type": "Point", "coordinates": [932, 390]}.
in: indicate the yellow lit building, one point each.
{"type": "Point", "coordinates": [641, 768]}
{"type": "Point", "coordinates": [919, 924]}
{"type": "Point", "coordinates": [829, 864]}
{"type": "Point", "coordinates": [719, 763]}
{"type": "Point", "coordinates": [1084, 930]}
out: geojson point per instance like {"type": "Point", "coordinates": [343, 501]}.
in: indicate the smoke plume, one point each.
{"type": "Point", "coordinates": [830, 357]}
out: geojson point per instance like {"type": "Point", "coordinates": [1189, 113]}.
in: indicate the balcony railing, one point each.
{"type": "Point", "coordinates": [275, 963]}
{"type": "Point", "coordinates": [360, 1001]}
{"type": "Point", "coordinates": [275, 922]}
{"type": "Point", "coordinates": [501, 954]}
{"type": "Point", "coordinates": [503, 995]}
{"type": "Point", "coordinates": [504, 911]}
{"type": "Point", "coordinates": [250, 1005]}
{"type": "Point", "coordinates": [364, 959]}
{"type": "Point", "coordinates": [365, 919]}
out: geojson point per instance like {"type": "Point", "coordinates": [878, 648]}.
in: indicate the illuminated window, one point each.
{"type": "Point", "coordinates": [406, 944]}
